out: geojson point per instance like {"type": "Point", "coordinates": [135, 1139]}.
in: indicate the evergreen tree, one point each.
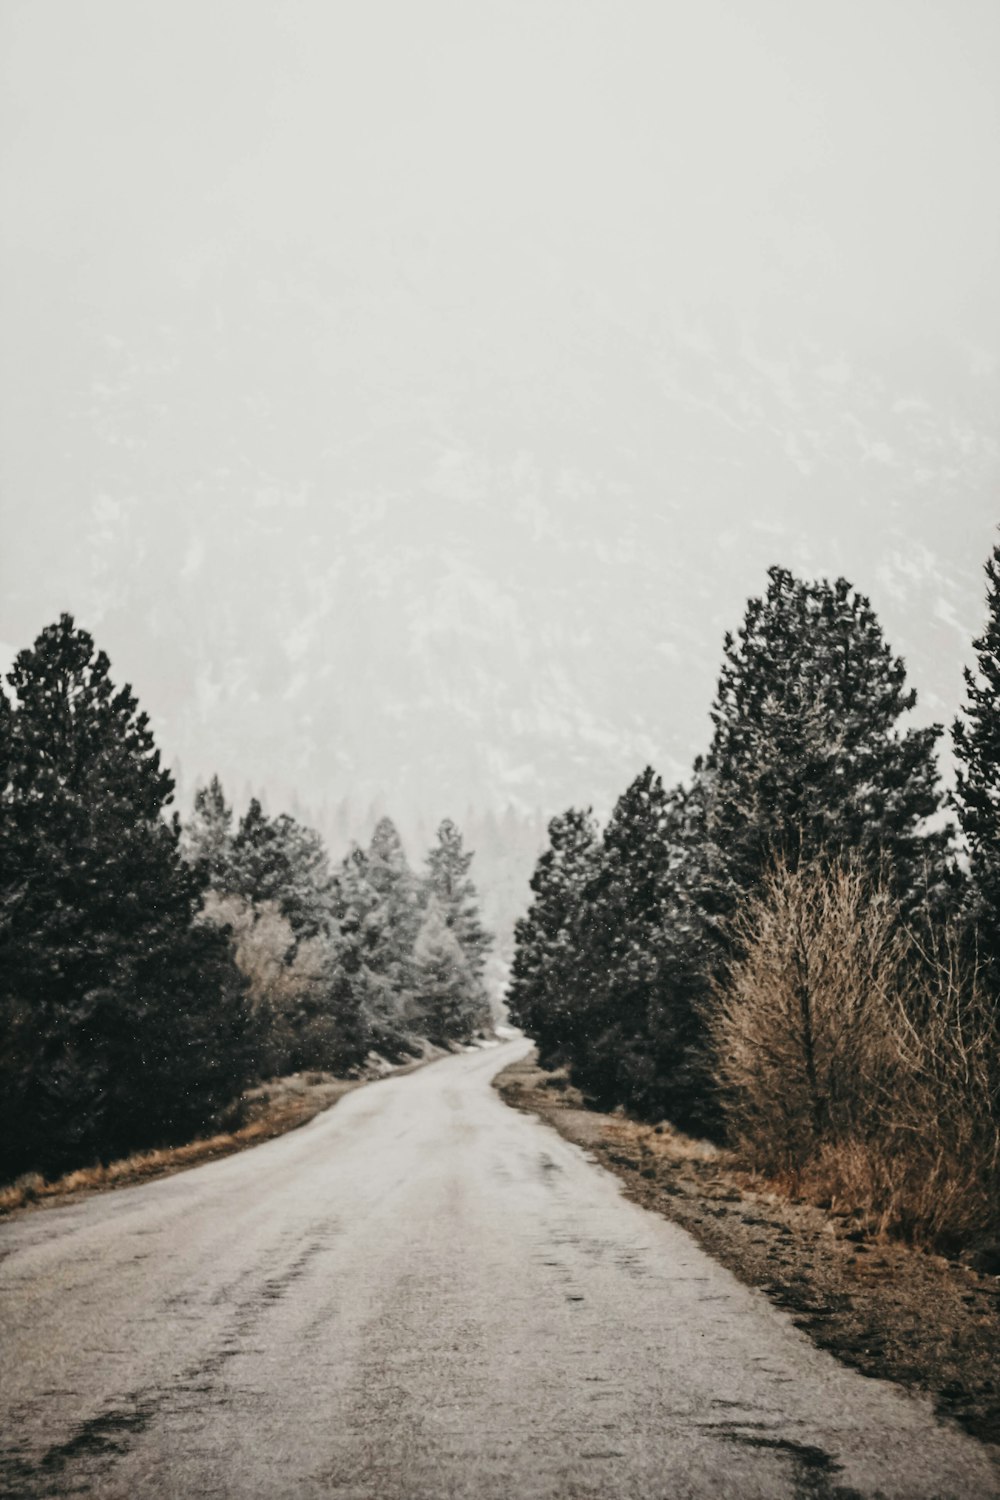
{"type": "Point", "coordinates": [447, 999]}
{"type": "Point", "coordinates": [687, 949]}
{"type": "Point", "coordinates": [277, 859]}
{"type": "Point", "coordinates": [351, 1011]}
{"type": "Point", "coordinates": [388, 873]}
{"type": "Point", "coordinates": [627, 1007]}
{"type": "Point", "coordinates": [544, 994]}
{"type": "Point", "coordinates": [208, 834]}
{"type": "Point", "coordinates": [615, 961]}
{"type": "Point", "coordinates": [977, 795]}
{"type": "Point", "coordinates": [122, 1021]}
{"type": "Point", "coordinates": [808, 757]}
{"type": "Point", "coordinates": [372, 994]}
{"type": "Point", "coordinates": [634, 1026]}
{"type": "Point", "coordinates": [451, 886]}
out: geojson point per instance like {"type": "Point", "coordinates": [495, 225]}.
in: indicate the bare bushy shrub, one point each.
{"type": "Point", "coordinates": [801, 1027]}
{"type": "Point", "coordinates": [858, 1062]}
{"type": "Point", "coordinates": [942, 1144]}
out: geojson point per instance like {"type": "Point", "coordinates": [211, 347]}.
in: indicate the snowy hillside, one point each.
{"type": "Point", "coordinates": [406, 590]}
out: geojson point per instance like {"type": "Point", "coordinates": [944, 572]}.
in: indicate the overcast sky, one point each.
{"type": "Point", "coordinates": [268, 225]}
{"type": "Point", "coordinates": [805, 162]}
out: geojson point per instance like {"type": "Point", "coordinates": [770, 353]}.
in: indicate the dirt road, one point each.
{"type": "Point", "coordinates": [424, 1294]}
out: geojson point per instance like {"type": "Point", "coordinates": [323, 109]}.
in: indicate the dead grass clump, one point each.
{"type": "Point", "coordinates": [666, 1142]}
{"type": "Point", "coordinates": [24, 1189]}
{"type": "Point", "coordinates": [921, 1195]}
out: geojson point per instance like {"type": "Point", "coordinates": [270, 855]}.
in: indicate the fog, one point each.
{"type": "Point", "coordinates": [408, 396]}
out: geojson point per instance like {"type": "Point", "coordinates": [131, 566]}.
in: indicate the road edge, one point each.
{"type": "Point", "coordinates": [885, 1309]}
{"type": "Point", "coordinates": [293, 1102]}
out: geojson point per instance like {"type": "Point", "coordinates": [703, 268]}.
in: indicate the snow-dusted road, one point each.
{"type": "Point", "coordinates": [423, 1294]}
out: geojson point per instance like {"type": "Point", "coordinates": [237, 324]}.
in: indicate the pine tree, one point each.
{"type": "Point", "coordinates": [808, 757]}
{"type": "Point", "coordinates": [122, 1021]}
{"type": "Point", "coordinates": [687, 947]}
{"type": "Point", "coordinates": [208, 834]}
{"type": "Point", "coordinates": [388, 873]}
{"type": "Point", "coordinates": [620, 993]}
{"type": "Point", "coordinates": [976, 739]}
{"type": "Point", "coordinates": [629, 979]}
{"type": "Point", "coordinates": [351, 1013]}
{"type": "Point", "coordinates": [451, 886]}
{"type": "Point", "coordinates": [544, 994]}
{"type": "Point", "coordinates": [447, 1000]}
{"type": "Point", "coordinates": [375, 991]}
{"type": "Point", "coordinates": [277, 859]}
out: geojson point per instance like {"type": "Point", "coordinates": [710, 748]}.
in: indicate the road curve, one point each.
{"type": "Point", "coordinates": [424, 1295]}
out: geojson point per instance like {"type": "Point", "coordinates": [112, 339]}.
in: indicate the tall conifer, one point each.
{"type": "Point", "coordinates": [452, 887]}
{"type": "Point", "coordinates": [448, 1001]}
{"type": "Point", "coordinates": [121, 1021]}
{"type": "Point", "coordinates": [544, 994]}
{"type": "Point", "coordinates": [208, 834]}
{"type": "Point", "coordinates": [810, 755]}
{"type": "Point", "coordinates": [977, 749]}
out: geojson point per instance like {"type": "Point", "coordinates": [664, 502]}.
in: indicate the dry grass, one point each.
{"type": "Point", "coordinates": [283, 1104]}
{"type": "Point", "coordinates": [910, 1190]}
{"type": "Point", "coordinates": [667, 1143]}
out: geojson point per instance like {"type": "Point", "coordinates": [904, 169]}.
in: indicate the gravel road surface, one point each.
{"type": "Point", "coordinates": [424, 1294]}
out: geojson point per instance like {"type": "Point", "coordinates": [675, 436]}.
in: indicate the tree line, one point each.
{"type": "Point", "coordinates": [795, 950]}
{"type": "Point", "coordinates": [151, 970]}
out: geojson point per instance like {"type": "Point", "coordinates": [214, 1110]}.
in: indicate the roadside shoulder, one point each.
{"type": "Point", "coordinates": [887, 1309]}
{"type": "Point", "coordinates": [268, 1110]}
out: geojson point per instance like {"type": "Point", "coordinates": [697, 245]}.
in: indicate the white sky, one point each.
{"type": "Point", "coordinates": [803, 161]}
{"type": "Point", "coordinates": [269, 224]}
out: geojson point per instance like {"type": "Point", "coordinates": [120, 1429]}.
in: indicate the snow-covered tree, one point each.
{"type": "Point", "coordinates": [388, 873]}
{"type": "Point", "coordinates": [277, 859]}
{"type": "Point", "coordinates": [208, 833]}
{"type": "Point", "coordinates": [376, 960]}
{"type": "Point", "coordinates": [451, 887]}
{"type": "Point", "coordinates": [447, 998]}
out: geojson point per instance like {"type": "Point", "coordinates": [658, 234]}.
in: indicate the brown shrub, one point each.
{"type": "Point", "coordinates": [857, 1065]}
{"type": "Point", "coordinates": [800, 1027]}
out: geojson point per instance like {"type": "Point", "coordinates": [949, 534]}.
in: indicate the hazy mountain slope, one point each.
{"type": "Point", "coordinates": [463, 580]}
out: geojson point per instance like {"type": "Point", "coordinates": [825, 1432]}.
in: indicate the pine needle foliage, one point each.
{"type": "Point", "coordinates": [544, 995]}
{"type": "Point", "coordinates": [122, 1022]}
{"type": "Point", "coordinates": [976, 737]}
{"type": "Point", "coordinates": [810, 751]}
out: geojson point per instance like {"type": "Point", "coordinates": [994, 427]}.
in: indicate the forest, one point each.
{"type": "Point", "coordinates": [797, 951]}
{"type": "Point", "coordinates": [152, 969]}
